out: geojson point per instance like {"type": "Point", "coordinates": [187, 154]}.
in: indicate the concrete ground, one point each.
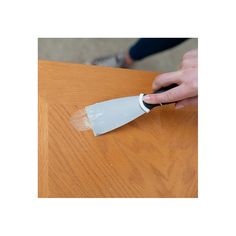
{"type": "Point", "coordinates": [79, 50]}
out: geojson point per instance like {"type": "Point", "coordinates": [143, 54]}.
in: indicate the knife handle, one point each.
{"type": "Point", "coordinates": [161, 90]}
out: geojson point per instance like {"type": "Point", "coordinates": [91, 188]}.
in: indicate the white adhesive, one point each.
{"type": "Point", "coordinates": [80, 120]}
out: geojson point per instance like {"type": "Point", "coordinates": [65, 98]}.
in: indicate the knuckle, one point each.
{"type": "Point", "coordinates": [192, 84]}
{"type": "Point", "coordinates": [166, 97]}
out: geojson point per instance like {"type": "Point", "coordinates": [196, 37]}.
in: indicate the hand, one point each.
{"type": "Point", "coordinates": [187, 79]}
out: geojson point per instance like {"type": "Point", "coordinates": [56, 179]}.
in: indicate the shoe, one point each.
{"type": "Point", "coordinates": [117, 60]}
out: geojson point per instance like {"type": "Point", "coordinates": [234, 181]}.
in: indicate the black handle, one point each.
{"type": "Point", "coordinates": [161, 90]}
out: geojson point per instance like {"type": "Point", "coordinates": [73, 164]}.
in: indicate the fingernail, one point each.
{"type": "Point", "coordinates": [146, 98]}
{"type": "Point", "coordinates": [179, 106]}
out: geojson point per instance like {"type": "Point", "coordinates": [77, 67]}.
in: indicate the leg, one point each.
{"type": "Point", "coordinates": [148, 46]}
{"type": "Point", "coordinates": [141, 49]}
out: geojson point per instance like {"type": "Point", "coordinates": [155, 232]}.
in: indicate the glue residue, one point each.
{"type": "Point", "coordinates": [80, 120]}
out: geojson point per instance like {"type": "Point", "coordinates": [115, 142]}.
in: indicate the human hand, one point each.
{"type": "Point", "coordinates": [187, 79]}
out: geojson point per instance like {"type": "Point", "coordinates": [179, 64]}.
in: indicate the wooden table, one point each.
{"type": "Point", "coordinates": [153, 156]}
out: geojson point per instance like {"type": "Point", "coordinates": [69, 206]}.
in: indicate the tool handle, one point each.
{"type": "Point", "coordinates": [161, 90]}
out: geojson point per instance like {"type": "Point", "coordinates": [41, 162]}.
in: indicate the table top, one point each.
{"type": "Point", "coordinates": [153, 156]}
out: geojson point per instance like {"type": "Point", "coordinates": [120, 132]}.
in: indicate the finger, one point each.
{"type": "Point", "coordinates": [166, 79]}
{"type": "Point", "coordinates": [189, 63]}
{"type": "Point", "coordinates": [172, 95]}
{"type": "Point", "coordinates": [191, 54]}
{"type": "Point", "coordinates": [185, 102]}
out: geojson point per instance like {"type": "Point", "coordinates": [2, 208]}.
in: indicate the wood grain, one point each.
{"type": "Point", "coordinates": [153, 156]}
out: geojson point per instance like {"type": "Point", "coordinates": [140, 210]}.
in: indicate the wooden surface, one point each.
{"type": "Point", "coordinates": [153, 156]}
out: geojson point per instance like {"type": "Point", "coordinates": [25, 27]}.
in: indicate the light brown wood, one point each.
{"type": "Point", "coordinates": [153, 156]}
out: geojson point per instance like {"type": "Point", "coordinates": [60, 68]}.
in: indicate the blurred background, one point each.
{"type": "Point", "coordinates": [80, 50]}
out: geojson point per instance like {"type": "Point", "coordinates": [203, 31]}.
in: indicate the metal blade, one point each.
{"type": "Point", "coordinates": [109, 115]}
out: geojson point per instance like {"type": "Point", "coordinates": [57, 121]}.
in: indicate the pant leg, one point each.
{"type": "Point", "coordinates": [148, 46]}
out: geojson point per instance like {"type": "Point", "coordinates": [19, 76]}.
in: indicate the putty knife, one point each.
{"type": "Point", "coordinates": [109, 115]}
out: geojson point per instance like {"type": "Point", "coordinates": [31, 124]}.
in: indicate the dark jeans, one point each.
{"type": "Point", "coordinates": [148, 46]}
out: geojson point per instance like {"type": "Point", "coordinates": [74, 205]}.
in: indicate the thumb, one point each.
{"type": "Point", "coordinates": [175, 94]}
{"type": "Point", "coordinates": [185, 102]}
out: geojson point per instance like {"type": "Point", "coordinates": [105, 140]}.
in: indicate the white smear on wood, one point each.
{"type": "Point", "coordinates": [80, 120]}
